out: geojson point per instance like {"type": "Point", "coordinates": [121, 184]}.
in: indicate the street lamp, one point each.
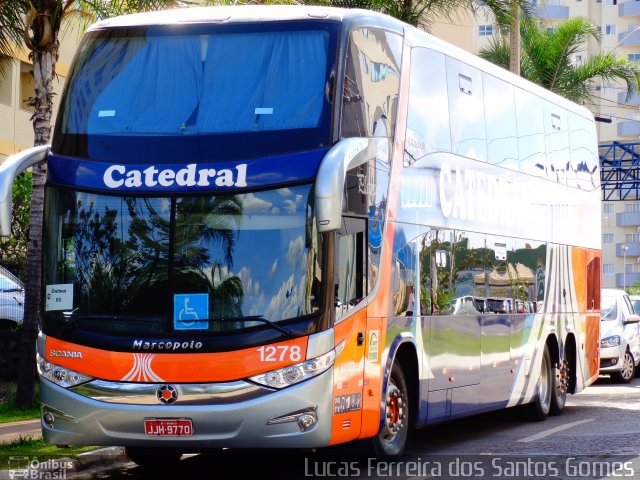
{"type": "Point", "coordinates": [628, 34]}
{"type": "Point", "coordinates": [624, 268]}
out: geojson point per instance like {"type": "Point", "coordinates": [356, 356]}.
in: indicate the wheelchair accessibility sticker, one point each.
{"type": "Point", "coordinates": [190, 311]}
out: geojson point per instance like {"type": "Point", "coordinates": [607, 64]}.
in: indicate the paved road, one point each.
{"type": "Point", "coordinates": [12, 431]}
{"type": "Point", "coordinates": [597, 436]}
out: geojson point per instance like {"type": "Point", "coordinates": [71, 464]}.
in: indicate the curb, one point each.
{"type": "Point", "coordinates": [59, 467]}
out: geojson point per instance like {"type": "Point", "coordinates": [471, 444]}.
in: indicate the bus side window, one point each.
{"type": "Point", "coordinates": [350, 272]}
{"type": "Point", "coordinates": [435, 259]}
{"type": "Point", "coordinates": [466, 105]}
{"type": "Point", "coordinates": [371, 84]}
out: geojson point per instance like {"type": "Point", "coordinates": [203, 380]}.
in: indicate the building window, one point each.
{"type": "Point", "coordinates": [607, 268]}
{"type": "Point", "coordinates": [6, 81]}
{"type": "Point", "coordinates": [632, 237]}
{"type": "Point", "coordinates": [485, 30]}
{"type": "Point", "coordinates": [610, 30]}
{"type": "Point", "coordinates": [611, 2]}
{"type": "Point", "coordinates": [609, 90]}
{"type": "Point", "coordinates": [632, 207]}
{"type": "Point", "coordinates": [27, 87]}
{"type": "Point", "coordinates": [608, 208]}
{"type": "Point", "coordinates": [634, 57]}
{"type": "Point", "coordinates": [607, 238]}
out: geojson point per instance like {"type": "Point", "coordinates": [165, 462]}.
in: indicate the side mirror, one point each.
{"type": "Point", "coordinates": [632, 319]}
{"type": "Point", "coordinates": [9, 170]}
{"type": "Point", "coordinates": [343, 156]}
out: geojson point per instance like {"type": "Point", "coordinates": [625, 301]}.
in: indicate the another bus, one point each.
{"type": "Point", "coordinates": [285, 226]}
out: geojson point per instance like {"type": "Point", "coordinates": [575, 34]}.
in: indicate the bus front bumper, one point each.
{"type": "Point", "coordinates": [268, 420]}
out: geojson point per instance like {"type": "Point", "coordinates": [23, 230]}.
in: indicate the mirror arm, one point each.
{"type": "Point", "coordinates": [342, 157]}
{"type": "Point", "coordinates": [9, 170]}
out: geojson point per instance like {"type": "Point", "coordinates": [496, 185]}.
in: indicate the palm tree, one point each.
{"type": "Point", "coordinates": [548, 59]}
{"type": "Point", "coordinates": [422, 13]}
{"type": "Point", "coordinates": [36, 24]}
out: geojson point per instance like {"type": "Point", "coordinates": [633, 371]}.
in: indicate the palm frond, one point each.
{"type": "Point", "coordinates": [12, 26]}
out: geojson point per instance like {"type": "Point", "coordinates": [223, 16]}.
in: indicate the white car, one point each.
{"type": "Point", "coordinates": [11, 299]}
{"type": "Point", "coordinates": [635, 301]}
{"type": "Point", "coordinates": [619, 336]}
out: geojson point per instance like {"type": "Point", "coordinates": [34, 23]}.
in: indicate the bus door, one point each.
{"type": "Point", "coordinates": [350, 284]}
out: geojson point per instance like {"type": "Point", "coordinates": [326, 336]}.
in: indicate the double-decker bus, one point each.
{"type": "Point", "coordinates": [302, 226]}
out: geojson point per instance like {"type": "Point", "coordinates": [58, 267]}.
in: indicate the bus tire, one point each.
{"type": "Point", "coordinates": [153, 458]}
{"type": "Point", "coordinates": [394, 435]}
{"type": "Point", "coordinates": [561, 374]}
{"type": "Point", "coordinates": [539, 409]}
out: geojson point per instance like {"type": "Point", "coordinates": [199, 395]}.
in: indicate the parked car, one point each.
{"type": "Point", "coordinates": [11, 299]}
{"type": "Point", "coordinates": [635, 301]}
{"type": "Point", "coordinates": [619, 336]}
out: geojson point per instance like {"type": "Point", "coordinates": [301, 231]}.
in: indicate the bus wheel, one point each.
{"type": "Point", "coordinates": [561, 375]}
{"type": "Point", "coordinates": [392, 439]}
{"type": "Point", "coordinates": [153, 458]}
{"type": "Point", "coordinates": [539, 408]}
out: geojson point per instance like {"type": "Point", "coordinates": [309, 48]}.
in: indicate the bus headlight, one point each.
{"type": "Point", "coordinates": [613, 341]}
{"type": "Point", "coordinates": [60, 375]}
{"type": "Point", "coordinates": [287, 376]}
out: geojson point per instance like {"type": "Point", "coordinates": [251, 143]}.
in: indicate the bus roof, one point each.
{"type": "Point", "coordinates": [353, 16]}
{"type": "Point", "coordinates": [241, 13]}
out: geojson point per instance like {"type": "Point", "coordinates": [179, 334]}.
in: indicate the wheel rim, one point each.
{"type": "Point", "coordinates": [395, 413]}
{"type": "Point", "coordinates": [627, 368]}
{"type": "Point", "coordinates": [544, 390]}
{"type": "Point", "coordinates": [562, 379]}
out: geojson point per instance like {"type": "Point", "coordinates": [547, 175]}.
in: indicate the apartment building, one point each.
{"type": "Point", "coordinates": [17, 87]}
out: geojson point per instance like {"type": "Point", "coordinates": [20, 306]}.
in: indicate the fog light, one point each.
{"type": "Point", "coordinates": [306, 421]}
{"type": "Point", "coordinates": [49, 418]}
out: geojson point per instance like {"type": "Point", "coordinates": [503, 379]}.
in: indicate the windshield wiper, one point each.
{"type": "Point", "coordinates": [251, 318]}
{"type": "Point", "coordinates": [72, 322]}
{"type": "Point", "coordinates": [123, 318]}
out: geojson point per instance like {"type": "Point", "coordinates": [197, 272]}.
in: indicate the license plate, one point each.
{"type": "Point", "coordinates": [168, 426]}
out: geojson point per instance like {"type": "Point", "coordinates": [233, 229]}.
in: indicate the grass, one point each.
{"type": "Point", "coordinates": [19, 453]}
{"type": "Point", "coordinates": [8, 410]}
{"type": "Point", "coordinates": [27, 448]}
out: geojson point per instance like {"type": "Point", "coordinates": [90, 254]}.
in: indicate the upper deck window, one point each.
{"type": "Point", "coordinates": [201, 81]}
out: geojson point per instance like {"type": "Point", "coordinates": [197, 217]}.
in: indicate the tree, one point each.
{"type": "Point", "coordinates": [13, 250]}
{"type": "Point", "coordinates": [547, 58]}
{"type": "Point", "coordinates": [36, 24]}
{"type": "Point", "coordinates": [422, 13]}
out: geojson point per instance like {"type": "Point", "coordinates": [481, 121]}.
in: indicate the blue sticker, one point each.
{"type": "Point", "coordinates": [190, 311]}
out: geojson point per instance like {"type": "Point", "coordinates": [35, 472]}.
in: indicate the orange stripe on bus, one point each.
{"type": "Point", "coordinates": [146, 366]}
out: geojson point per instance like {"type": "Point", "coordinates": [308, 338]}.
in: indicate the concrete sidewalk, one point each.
{"type": "Point", "coordinates": [12, 431]}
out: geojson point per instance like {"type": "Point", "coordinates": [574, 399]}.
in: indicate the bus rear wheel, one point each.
{"type": "Point", "coordinates": [561, 375]}
{"type": "Point", "coordinates": [539, 409]}
{"type": "Point", "coordinates": [393, 437]}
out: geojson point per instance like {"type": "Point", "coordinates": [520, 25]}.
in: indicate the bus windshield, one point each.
{"type": "Point", "coordinates": [154, 266]}
{"type": "Point", "coordinates": [207, 87]}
